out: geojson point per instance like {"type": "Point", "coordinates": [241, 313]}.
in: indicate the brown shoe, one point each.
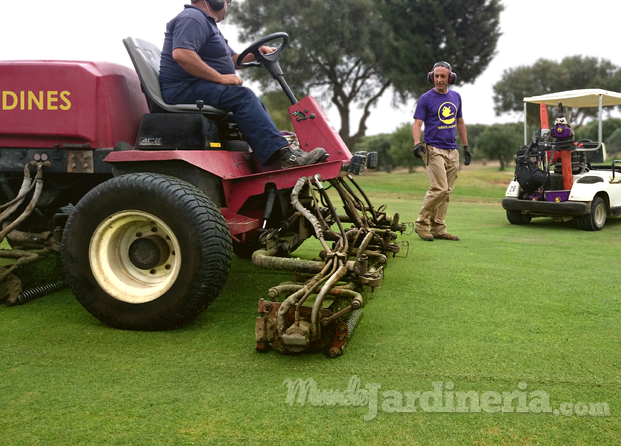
{"type": "Point", "coordinates": [424, 234]}
{"type": "Point", "coordinates": [447, 236]}
{"type": "Point", "coordinates": [290, 157]}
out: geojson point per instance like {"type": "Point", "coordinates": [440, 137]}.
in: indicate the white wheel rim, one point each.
{"type": "Point", "coordinates": [600, 215]}
{"type": "Point", "coordinates": [110, 259]}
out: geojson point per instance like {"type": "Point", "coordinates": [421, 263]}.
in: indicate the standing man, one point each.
{"type": "Point", "coordinates": [198, 64]}
{"type": "Point", "coordinates": [440, 110]}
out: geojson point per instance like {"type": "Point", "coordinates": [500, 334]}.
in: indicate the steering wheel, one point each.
{"type": "Point", "coordinates": [270, 61]}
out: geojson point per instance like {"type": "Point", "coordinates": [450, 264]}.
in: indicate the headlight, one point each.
{"type": "Point", "coordinates": [358, 162]}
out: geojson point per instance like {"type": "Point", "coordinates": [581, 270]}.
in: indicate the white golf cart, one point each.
{"type": "Point", "coordinates": [557, 176]}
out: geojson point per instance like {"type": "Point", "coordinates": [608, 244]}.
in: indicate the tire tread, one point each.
{"type": "Point", "coordinates": [208, 230]}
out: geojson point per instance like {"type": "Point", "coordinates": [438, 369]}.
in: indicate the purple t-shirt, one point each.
{"type": "Point", "coordinates": [194, 30]}
{"type": "Point", "coordinates": [439, 112]}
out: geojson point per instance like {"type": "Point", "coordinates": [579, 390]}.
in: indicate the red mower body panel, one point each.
{"type": "Point", "coordinates": [314, 129]}
{"type": "Point", "coordinates": [242, 177]}
{"type": "Point", "coordinates": [70, 104]}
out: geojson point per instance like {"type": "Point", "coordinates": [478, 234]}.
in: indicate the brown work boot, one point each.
{"type": "Point", "coordinates": [290, 157]}
{"type": "Point", "coordinates": [447, 236]}
{"type": "Point", "coordinates": [424, 234]}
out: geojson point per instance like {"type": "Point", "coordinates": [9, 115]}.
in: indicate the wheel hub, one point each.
{"type": "Point", "coordinates": [147, 253]}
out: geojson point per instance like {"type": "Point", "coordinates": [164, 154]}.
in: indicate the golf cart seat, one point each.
{"type": "Point", "coordinates": [146, 59]}
{"type": "Point", "coordinates": [598, 156]}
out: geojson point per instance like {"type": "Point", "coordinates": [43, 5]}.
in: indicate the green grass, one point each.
{"type": "Point", "coordinates": [537, 304]}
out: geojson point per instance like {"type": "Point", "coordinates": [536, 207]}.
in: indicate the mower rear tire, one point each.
{"type": "Point", "coordinates": [246, 249]}
{"type": "Point", "coordinates": [517, 218]}
{"type": "Point", "coordinates": [596, 219]}
{"type": "Point", "coordinates": [146, 252]}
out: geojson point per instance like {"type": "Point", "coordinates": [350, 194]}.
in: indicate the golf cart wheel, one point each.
{"type": "Point", "coordinates": [595, 220]}
{"type": "Point", "coordinates": [146, 252]}
{"type": "Point", "coordinates": [517, 218]}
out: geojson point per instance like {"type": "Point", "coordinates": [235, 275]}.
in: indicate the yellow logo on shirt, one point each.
{"type": "Point", "coordinates": [447, 113]}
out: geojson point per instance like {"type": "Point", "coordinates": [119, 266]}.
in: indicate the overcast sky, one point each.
{"type": "Point", "coordinates": [531, 29]}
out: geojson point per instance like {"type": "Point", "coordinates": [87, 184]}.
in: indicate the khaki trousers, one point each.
{"type": "Point", "coordinates": [442, 165]}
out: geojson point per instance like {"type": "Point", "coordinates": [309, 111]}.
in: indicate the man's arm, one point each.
{"type": "Point", "coordinates": [419, 148]}
{"type": "Point", "coordinates": [416, 131]}
{"type": "Point", "coordinates": [191, 62]}
{"type": "Point", "coordinates": [463, 135]}
{"type": "Point", "coordinates": [461, 131]}
{"type": "Point", "coordinates": [251, 57]}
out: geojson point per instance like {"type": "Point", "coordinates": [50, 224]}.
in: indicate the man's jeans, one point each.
{"type": "Point", "coordinates": [442, 165]}
{"type": "Point", "coordinates": [248, 111]}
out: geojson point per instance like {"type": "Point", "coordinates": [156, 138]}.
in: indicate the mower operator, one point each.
{"type": "Point", "coordinates": [198, 64]}
{"type": "Point", "coordinates": [440, 110]}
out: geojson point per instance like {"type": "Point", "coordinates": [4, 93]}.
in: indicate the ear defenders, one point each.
{"type": "Point", "coordinates": [452, 77]}
{"type": "Point", "coordinates": [216, 5]}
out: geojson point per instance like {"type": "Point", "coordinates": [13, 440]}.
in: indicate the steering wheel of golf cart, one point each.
{"type": "Point", "coordinates": [270, 61]}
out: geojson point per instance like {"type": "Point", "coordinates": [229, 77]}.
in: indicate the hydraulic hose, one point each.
{"type": "Point", "coordinates": [307, 214]}
{"type": "Point", "coordinates": [356, 303]}
{"type": "Point", "coordinates": [334, 264]}
{"type": "Point", "coordinates": [349, 205]}
{"type": "Point", "coordinates": [31, 205]}
{"type": "Point", "coordinates": [24, 190]}
{"type": "Point", "coordinates": [277, 290]}
{"type": "Point", "coordinates": [22, 258]}
{"type": "Point", "coordinates": [366, 198]}
{"type": "Point", "coordinates": [365, 243]}
{"type": "Point", "coordinates": [268, 260]}
{"type": "Point", "coordinates": [326, 225]}
{"type": "Point", "coordinates": [324, 194]}
{"type": "Point", "coordinates": [292, 299]}
{"type": "Point", "coordinates": [332, 281]}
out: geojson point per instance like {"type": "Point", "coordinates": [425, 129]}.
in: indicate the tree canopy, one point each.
{"type": "Point", "coordinates": [474, 133]}
{"type": "Point", "coordinates": [381, 144]}
{"type": "Point", "coordinates": [547, 76]}
{"type": "Point", "coordinates": [611, 131]}
{"type": "Point", "coordinates": [394, 149]}
{"type": "Point", "coordinates": [422, 32]}
{"type": "Point", "coordinates": [501, 142]}
{"type": "Point", "coordinates": [401, 148]}
{"type": "Point", "coordinates": [277, 105]}
{"type": "Point", "coordinates": [353, 51]}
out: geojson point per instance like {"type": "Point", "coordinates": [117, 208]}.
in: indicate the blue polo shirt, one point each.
{"type": "Point", "coordinates": [194, 30]}
{"type": "Point", "coordinates": [439, 112]}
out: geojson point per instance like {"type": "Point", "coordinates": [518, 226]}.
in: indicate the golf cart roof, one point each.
{"type": "Point", "coordinates": [578, 98]}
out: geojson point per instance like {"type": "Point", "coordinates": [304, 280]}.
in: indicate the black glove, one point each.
{"type": "Point", "coordinates": [467, 155]}
{"type": "Point", "coordinates": [418, 149]}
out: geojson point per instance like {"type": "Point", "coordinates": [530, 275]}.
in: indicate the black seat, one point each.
{"type": "Point", "coordinates": [597, 156]}
{"type": "Point", "coordinates": [146, 59]}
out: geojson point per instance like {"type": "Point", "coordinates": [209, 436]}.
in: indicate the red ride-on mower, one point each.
{"type": "Point", "coordinates": [149, 242]}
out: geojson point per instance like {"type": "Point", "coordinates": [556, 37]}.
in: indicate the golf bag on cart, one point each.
{"type": "Point", "coordinates": [527, 171]}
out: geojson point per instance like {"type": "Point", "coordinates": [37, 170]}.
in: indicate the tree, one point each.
{"type": "Point", "coordinates": [591, 130]}
{"type": "Point", "coordinates": [353, 51]}
{"type": "Point", "coordinates": [501, 142]}
{"type": "Point", "coordinates": [546, 76]}
{"type": "Point", "coordinates": [422, 32]}
{"type": "Point", "coordinates": [474, 134]}
{"type": "Point", "coordinates": [277, 106]}
{"type": "Point", "coordinates": [613, 144]}
{"type": "Point", "coordinates": [611, 133]}
{"type": "Point", "coordinates": [402, 147]}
